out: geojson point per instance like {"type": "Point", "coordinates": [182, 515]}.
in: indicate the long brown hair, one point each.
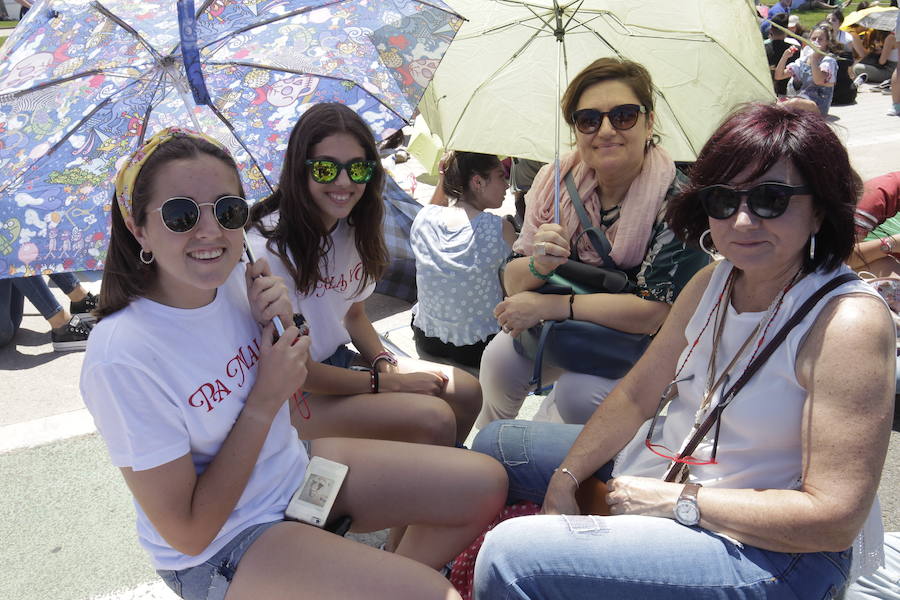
{"type": "Point", "coordinates": [300, 233]}
{"type": "Point", "coordinates": [125, 277]}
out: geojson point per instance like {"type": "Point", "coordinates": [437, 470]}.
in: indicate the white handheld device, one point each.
{"type": "Point", "coordinates": [314, 498]}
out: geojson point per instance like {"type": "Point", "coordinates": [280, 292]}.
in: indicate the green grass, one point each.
{"type": "Point", "coordinates": [811, 18]}
{"type": "Point", "coordinates": [8, 23]}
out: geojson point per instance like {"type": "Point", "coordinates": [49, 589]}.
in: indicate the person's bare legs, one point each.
{"type": "Point", "coordinates": [462, 393]}
{"type": "Point", "coordinates": [447, 496]}
{"type": "Point", "coordinates": [416, 418]}
{"type": "Point", "coordinates": [293, 560]}
{"type": "Point", "coordinates": [451, 495]}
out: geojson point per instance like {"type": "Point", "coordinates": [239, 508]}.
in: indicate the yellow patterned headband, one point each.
{"type": "Point", "coordinates": [129, 172]}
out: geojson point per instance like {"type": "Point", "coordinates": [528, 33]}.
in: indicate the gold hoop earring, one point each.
{"type": "Point", "coordinates": [711, 251]}
{"type": "Point", "coordinates": [146, 261]}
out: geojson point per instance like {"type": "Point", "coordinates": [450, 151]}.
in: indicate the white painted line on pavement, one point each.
{"type": "Point", "coordinates": [156, 590]}
{"type": "Point", "coordinates": [46, 430]}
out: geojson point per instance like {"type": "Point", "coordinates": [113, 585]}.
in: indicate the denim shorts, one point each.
{"type": "Point", "coordinates": [210, 580]}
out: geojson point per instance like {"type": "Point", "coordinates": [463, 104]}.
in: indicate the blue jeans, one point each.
{"type": "Point", "coordinates": [626, 556]}
{"type": "Point", "coordinates": [210, 580]}
{"type": "Point", "coordinates": [13, 292]}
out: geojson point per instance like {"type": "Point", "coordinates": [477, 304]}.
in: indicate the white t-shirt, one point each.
{"type": "Point", "coordinates": [327, 306]}
{"type": "Point", "coordinates": [162, 382]}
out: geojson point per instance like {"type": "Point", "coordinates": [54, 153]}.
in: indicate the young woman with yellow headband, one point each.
{"type": "Point", "coordinates": [190, 396]}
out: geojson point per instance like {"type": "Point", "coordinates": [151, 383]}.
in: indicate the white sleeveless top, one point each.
{"type": "Point", "coordinates": [760, 438]}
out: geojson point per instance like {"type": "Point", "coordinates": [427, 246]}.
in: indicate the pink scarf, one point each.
{"type": "Point", "coordinates": [629, 235]}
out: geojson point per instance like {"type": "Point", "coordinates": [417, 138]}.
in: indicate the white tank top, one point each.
{"type": "Point", "coordinates": [760, 438]}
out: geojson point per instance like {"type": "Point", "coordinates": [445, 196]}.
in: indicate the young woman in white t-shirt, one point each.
{"type": "Point", "coordinates": [322, 230]}
{"type": "Point", "coordinates": [190, 396]}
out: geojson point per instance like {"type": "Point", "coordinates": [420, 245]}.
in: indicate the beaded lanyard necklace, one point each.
{"type": "Point", "coordinates": [720, 311]}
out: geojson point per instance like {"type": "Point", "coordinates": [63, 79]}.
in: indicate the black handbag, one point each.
{"type": "Point", "coordinates": [583, 346]}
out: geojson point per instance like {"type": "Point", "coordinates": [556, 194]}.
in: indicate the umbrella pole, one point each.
{"type": "Point", "coordinates": [560, 35]}
{"type": "Point", "coordinates": [276, 320]}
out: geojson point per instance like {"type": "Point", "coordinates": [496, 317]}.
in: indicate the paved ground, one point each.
{"type": "Point", "coordinates": [66, 519]}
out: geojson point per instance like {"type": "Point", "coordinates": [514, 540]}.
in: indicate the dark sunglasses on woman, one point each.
{"type": "Point", "coordinates": [766, 200]}
{"type": "Point", "coordinates": [324, 170]}
{"type": "Point", "coordinates": [181, 215]}
{"type": "Point", "coordinates": [622, 117]}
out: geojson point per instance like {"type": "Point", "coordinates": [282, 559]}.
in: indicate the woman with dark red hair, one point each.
{"type": "Point", "coordinates": [760, 480]}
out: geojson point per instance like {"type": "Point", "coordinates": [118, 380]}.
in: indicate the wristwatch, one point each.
{"type": "Point", "coordinates": [687, 511]}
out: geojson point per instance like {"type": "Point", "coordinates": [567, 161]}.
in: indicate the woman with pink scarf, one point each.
{"type": "Point", "coordinates": [624, 180]}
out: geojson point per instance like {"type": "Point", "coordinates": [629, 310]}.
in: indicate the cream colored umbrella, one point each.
{"type": "Point", "coordinates": [498, 87]}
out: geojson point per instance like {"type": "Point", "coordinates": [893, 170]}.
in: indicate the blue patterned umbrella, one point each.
{"type": "Point", "coordinates": [83, 82]}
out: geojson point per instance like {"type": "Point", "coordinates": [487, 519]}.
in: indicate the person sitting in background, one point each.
{"type": "Point", "coordinates": [777, 497]}
{"type": "Point", "coordinates": [895, 77]}
{"type": "Point", "coordinates": [841, 38]}
{"type": "Point", "coordinates": [814, 73]}
{"type": "Point", "coordinates": [780, 7]}
{"type": "Point", "coordinates": [878, 227]}
{"type": "Point", "coordinates": [69, 328]}
{"type": "Point", "coordinates": [459, 250]}
{"type": "Point", "coordinates": [521, 175]}
{"type": "Point", "coordinates": [795, 27]}
{"type": "Point", "coordinates": [877, 54]}
{"type": "Point", "coordinates": [775, 47]}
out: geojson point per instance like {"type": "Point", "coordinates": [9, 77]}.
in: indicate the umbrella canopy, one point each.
{"type": "Point", "coordinates": [82, 82]}
{"type": "Point", "coordinates": [496, 88]}
{"type": "Point", "coordinates": [877, 17]}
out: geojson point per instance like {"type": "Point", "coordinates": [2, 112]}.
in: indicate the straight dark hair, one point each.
{"type": "Point", "coordinates": [125, 277]}
{"type": "Point", "coordinates": [762, 135]}
{"type": "Point", "coordinates": [300, 233]}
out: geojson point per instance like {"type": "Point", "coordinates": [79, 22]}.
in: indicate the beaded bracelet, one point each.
{"type": "Point", "coordinates": [537, 273]}
{"type": "Point", "coordinates": [887, 244]}
{"type": "Point", "coordinates": [373, 381]}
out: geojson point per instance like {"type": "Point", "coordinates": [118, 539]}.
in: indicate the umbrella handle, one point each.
{"type": "Point", "coordinates": [276, 320]}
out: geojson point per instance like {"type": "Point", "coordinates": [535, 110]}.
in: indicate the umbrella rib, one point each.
{"type": "Point", "coordinates": [294, 13]}
{"type": "Point", "coordinates": [118, 21]}
{"type": "Point", "coordinates": [62, 140]}
{"type": "Point", "coordinates": [46, 84]}
{"type": "Point", "coordinates": [265, 22]}
{"type": "Point", "coordinates": [230, 127]}
{"type": "Point", "coordinates": [485, 81]}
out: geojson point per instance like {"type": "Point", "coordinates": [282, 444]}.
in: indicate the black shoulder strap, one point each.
{"type": "Point", "coordinates": [761, 358]}
{"type": "Point", "coordinates": [596, 236]}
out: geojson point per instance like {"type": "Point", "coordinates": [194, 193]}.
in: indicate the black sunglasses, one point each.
{"type": "Point", "coordinates": [766, 200]}
{"type": "Point", "coordinates": [181, 215]}
{"type": "Point", "coordinates": [622, 117]}
{"type": "Point", "coordinates": [324, 170]}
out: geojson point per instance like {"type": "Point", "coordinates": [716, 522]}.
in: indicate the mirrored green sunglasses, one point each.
{"type": "Point", "coordinates": [324, 170]}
